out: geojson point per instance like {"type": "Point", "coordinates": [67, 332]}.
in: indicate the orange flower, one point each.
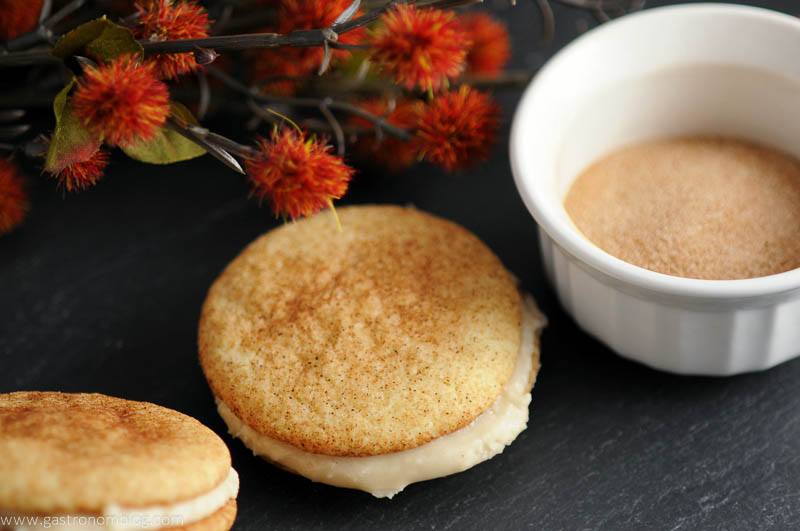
{"type": "Point", "coordinates": [13, 199]}
{"type": "Point", "coordinates": [122, 100]}
{"type": "Point", "coordinates": [81, 175]}
{"type": "Point", "coordinates": [392, 153]}
{"type": "Point", "coordinates": [458, 128]}
{"type": "Point", "coordinates": [420, 47]}
{"type": "Point", "coordinates": [161, 20]}
{"type": "Point", "coordinates": [491, 46]}
{"type": "Point", "coordinates": [299, 175]}
{"type": "Point", "coordinates": [316, 14]}
{"type": "Point", "coordinates": [18, 17]}
{"type": "Point", "coordinates": [279, 68]}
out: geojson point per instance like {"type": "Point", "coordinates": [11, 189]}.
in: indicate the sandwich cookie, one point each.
{"type": "Point", "coordinates": [395, 350]}
{"type": "Point", "coordinates": [90, 461]}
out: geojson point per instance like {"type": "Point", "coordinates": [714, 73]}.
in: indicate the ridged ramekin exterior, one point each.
{"type": "Point", "coordinates": [674, 334]}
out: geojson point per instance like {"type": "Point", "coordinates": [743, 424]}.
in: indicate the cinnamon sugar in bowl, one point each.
{"type": "Point", "coordinates": [698, 207]}
{"type": "Point", "coordinates": [696, 274]}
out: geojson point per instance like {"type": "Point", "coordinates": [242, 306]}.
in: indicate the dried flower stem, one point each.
{"type": "Point", "coordinates": [43, 32]}
{"type": "Point", "coordinates": [301, 38]}
{"type": "Point", "coordinates": [225, 142]}
{"type": "Point", "coordinates": [35, 147]}
{"type": "Point", "coordinates": [28, 57]}
{"type": "Point", "coordinates": [513, 79]}
{"type": "Point", "coordinates": [349, 131]}
{"type": "Point", "coordinates": [316, 103]}
{"type": "Point", "coordinates": [602, 4]}
{"type": "Point", "coordinates": [548, 21]}
{"type": "Point", "coordinates": [601, 8]}
{"type": "Point", "coordinates": [336, 127]}
{"type": "Point", "coordinates": [215, 145]}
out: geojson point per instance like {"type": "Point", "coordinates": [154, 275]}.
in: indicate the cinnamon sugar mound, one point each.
{"type": "Point", "coordinates": [697, 207]}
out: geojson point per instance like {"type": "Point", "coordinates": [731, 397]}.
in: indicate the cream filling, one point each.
{"type": "Point", "coordinates": [115, 517]}
{"type": "Point", "coordinates": [386, 475]}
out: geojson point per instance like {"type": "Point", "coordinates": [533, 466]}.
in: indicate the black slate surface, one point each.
{"type": "Point", "coordinates": [101, 292]}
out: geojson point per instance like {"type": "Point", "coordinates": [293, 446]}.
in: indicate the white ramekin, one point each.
{"type": "Point", "coordinates": [682, 325]}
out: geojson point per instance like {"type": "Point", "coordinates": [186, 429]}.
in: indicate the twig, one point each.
{"type": "Point", "coordinates": [224, 142]}
{"type": "Point", "coordinates": [33, 148]}
{"type": "Point", "coordinates": [597, 4]}
{"type": "Point", "coordinates": [513, 79]}
{"type": "Point", "coordinates": [326, 59]}
{"type": "Point", "coordinates": [68, 9]}
{"type": "Point", "coordinates": [505, 79]}
{"type": "Point", "coordinates": [299, 38]}
{"type": "Point", "coordinates": [47, 7]}
{"type": "Point", "coordinates": [336, 127]}
{"type": "Point", "coordinates": [250, 41]}
{"type": "Point", "coordinates": [347, 46]}
{"type": "Point", "coordinates": [349, 12]}
{"type": "Point", "coordinates": [350, 108]}
{"type": "Point", "coordinates": [8, 132]}
{"type": "Point", "coordinates": [43, 32]}
{"type": "Point", "coordinates": [211, 148]}
{"type": "Point", "coordinates": [36, 36]}
{"type": "Point", "coordinates": [601, 15]}
{"type": "Point", "coordinates": [321, 126]}
{"type": "Point", "coordinates": [548, 20]}
{"type": "Point", "coordinates": [11, 115]}
{"type": "Point", "coordinates": [261, 113]}
{"type": "Point", "coordinates": [601, 8]}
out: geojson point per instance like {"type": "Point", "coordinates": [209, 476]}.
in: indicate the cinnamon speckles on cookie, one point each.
{"type": "Point", "coordinates": [398, 329]}
{"type": "Point", "coordinates": [65, 453]}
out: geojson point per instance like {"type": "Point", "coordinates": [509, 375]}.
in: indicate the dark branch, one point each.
{"type": "Point", "coordinates": [200, 137]}
{"type": "Point", "coordinates": [28, 57]}
{"type": "Point", "coordinates": [300, 38]}
{"type": "Point", "coordinates": [336, 127]}
{"type": "Point", "coordinates": [43, 32]}
{"type": "Point", "coordinates": [332, 104]}
{"type": "Point", "coordinates": [548, 21]}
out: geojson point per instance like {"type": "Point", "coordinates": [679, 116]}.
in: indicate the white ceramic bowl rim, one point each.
{"type": "Point", "coordinates": [544, 211]}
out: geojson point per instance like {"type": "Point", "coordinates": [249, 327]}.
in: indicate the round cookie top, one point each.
{"type": "Point", "coordinates": [398, 329]}
{"type": "Point", "coordinates": [80, 453]}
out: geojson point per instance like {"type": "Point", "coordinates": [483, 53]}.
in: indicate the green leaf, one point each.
{"type": "Point", "coordinates": [72, 142]}
{"type": "Point", "coordinates": [168, 145]}
{"type": "Point", "coordinates": [60, 101]}
{"type": "Point", "coordinates": [181, 114]}
{"type": "Point", "coordinates": [99, 39]}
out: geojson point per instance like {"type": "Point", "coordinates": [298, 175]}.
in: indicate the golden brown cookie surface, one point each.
{"type": "Point", "coordinates": [399, 329]}
{"type": "Point", "coordinates": [80, 453]}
